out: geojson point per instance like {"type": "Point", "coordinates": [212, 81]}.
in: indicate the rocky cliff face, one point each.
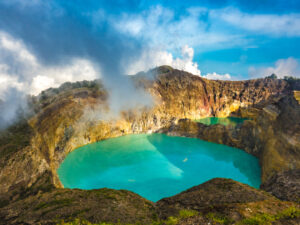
{"type": "Point", "coordinates": [272, 134]}
{"type": "Point", "coordinates": [76, 114]}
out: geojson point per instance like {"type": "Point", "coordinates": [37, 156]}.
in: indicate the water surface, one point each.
{"type": "Point", "coordinates": [155, 165]}
{"type": "Point", "coordinates": [233, 121]}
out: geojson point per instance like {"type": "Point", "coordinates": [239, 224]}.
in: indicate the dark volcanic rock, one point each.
{"type": "Point", "coordinates": [218, 201]}
{"type": "Point", "coordinates": [285, 185]}
{"type": "Point", "coordinates": [215, 192]}
{"type": "Point", "coordinates": [103, 205]}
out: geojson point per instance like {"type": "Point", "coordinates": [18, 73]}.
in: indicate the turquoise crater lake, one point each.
{"type": "Point", "coordinates": [155, 165]}
{"type": "Point", "coordinates": [233, 121]}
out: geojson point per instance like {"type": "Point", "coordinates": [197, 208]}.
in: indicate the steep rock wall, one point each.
{"type": "Point", "coordinates": [272, 134]}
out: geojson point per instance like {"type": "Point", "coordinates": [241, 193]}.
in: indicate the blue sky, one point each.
{"type": "Point", "coordinates": [45, 43]}
{"type": "Point", "coordinates": [240, 34]}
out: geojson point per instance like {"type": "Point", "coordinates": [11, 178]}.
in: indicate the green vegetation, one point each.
{"type": "Point", "coordinates": [15, 138]}
{"type": "Point", "coordinates": [70, 86]}
{"type": "Point", "coordinates": [183, 214]}
{"type": "Point", "coordinates": [221, 219]}
{"type": "Point", "coordinates": [60, 202]}
{"type": "Point", "coordinates": [259, 219]}
{"type": "Point", "coordinates": [170, 221]}
{"type": "Point", "coordinates": [187, 213]}
{"type": "Point", "coordinates": [266, 219]}
{"type": "Point", "coordinates": [163, 69]}
{"type": "Point", "coordinates": [289, 213]}
{"type": "Point", "coordinates": [291, 79]}
{"type": "Point", "coordinates": [294, 82]}
{"type": "Point", "coordinates": [83, 222]}
{"type": "Point", "coordinates": [272, 76]}
{"type": "Point", "coordinates": [80, 89]}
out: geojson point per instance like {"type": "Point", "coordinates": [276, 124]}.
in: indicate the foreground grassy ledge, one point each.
{"type": "Point", "coordinates": [218, 201]}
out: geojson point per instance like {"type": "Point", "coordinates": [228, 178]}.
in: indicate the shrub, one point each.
{"type": "Point", "coordinates": [289, 213]}
{"type": "Point", "coordinates": [187, 213]}
{"type": "Point", "coordinates": [171, 221]}
{"type": "Point", "coordinates": [259, 219]}
{"type": "Point", "coordinates": [218, 218]}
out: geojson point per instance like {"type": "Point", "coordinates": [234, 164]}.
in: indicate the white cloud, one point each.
{"type": "Point", "coordinates": [16, 49]}
{"type": "Point", "coordinates": [187, 52]}
{"type": "Point", "coordinates": [159, 26]}
{"type": "Point", "coordinates": [153, 58]}
{"type": "Point", "coordinates": [76, 70]}
{"type": "Point", "coordinates": [22, 73]}
{"type": "Point", "coordinates": [215, 76]}
{"type": "Point", "coordinates": [20, 69]}
{"type": "Point", "coordinates": [41, 83]}
{"type": "Point", "coordinates": [283, 67]}
{"type": "Point", "coordinates": [7, 82]}
{"type": "Point", "coordinates": [279, 25]}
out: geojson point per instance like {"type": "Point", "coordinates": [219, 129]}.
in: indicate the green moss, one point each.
{"type": "Point", "coordinates": [289, 213]}
{"type": "Point", "coordinates": [78, 221]}
{"type": "Point", "coordinates": [221, 219]}
{"type": "Point", "coordinates": [266, 219]}
{"type": "Point", "coordinates": [79, 212]}
{"type": "Point", "coordinates": [187, 213]}
{"type": "Point", "coordinates": [82, 222]}
{"type": "Point", "coordinates": [60, 203]}
{"type": "Point", "coordinates": [259, 219]}
{"type": "Point", "coordinates": [171, 221]}
{"type": "Point", "coordinates": [111, 194]}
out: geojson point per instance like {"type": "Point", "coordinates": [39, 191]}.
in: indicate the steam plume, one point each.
{"type": "Point", "coordinates": [44, 43]}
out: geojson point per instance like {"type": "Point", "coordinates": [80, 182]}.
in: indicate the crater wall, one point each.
{"type": "Point", "coordinates": [76, 115]}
